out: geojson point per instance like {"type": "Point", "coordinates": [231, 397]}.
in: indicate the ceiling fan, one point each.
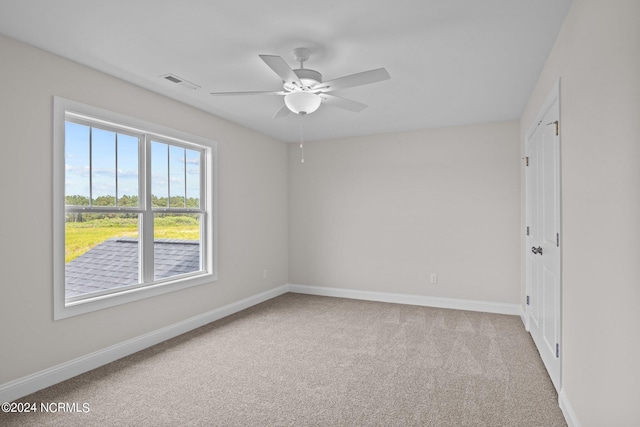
{"type": "Point", "coordinates": [304, 90]}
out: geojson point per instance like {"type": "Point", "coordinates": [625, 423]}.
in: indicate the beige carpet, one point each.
{"type": "Point", "coordinates": [301, 360]}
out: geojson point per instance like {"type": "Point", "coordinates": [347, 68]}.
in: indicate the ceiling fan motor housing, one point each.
{"type": "Point", "coordinates": [307, 77]}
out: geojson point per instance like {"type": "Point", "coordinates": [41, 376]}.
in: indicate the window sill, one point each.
{"type": "Point", "coordinates": [63, 310]}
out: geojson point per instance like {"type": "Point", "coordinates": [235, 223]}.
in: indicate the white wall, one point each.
{"type": "Point", "coordinates": [380, 213]}
{"type": "Point", "coordinates": [597, 57]}
{"type": "Point", "coordinates": [252, 208]}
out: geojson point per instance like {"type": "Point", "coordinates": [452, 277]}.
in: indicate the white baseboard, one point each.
{"type": "Point", "coordinates": [457, 304]}
{"type": "Point", "coordinates": [523, 317]}
{"type": "Point", "coordinates": [31, 383]}
{"type": "Point", "coordinates": [569, 414]}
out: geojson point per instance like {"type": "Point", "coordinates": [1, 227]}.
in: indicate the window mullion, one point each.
{"type": "Point", "coordinates": [116, 170]}
{"type": "Point", "coordinates": [91, 166]}
{"type": "Point", "coordinates": [184, 162]}
{"type": "Point", "coordinates": [146, 226]}
{"type": "Point", "coordinates": [168, 175]}
{"type": "Point", "coordinates": [204, 217]}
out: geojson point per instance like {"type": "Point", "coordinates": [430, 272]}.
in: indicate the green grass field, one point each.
{"type": "Point", "coordinates": [82, 236]}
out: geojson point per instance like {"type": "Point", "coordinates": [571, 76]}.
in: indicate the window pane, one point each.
{"type": "Point", "coordinates": [176, 244]}
{"type": "Point", "coordinates": [193, 178]}
{"type": "Point", "coordinates": [127, 170]}
{"type": "Point", "coordinates": [176, 177]}
{"type": "Point", "coordinates": [103, 170]}
{"type": "Point", "coordinates": [76, 155]}
{"type": "Point", "coordinates": [159, 174]}
{"type": "Point", "coordinates": [101, 252]}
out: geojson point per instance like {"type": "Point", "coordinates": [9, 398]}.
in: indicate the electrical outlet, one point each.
{"type": "Point", "coordinates": [434, 278]}
{"type": "Point", "coordinates": [264, 273]}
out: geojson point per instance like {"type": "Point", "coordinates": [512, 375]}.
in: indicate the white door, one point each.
{"type": "Point", "coordinates": [543, 236]}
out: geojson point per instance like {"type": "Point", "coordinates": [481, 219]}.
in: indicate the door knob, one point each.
{"type": "Point", "coordinates": [537, 250]}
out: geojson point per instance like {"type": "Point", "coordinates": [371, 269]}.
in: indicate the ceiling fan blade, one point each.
{"type": "Point", "coordinates": [282, 112]}
{"type": "Point", "coordinates": [357, 79]}
{"type": "Point", "coordinates": [260, 92]}
{"type": "Point", "coordinates": [282, 69]}
{"type": "Point", "coordinates": [339, 102]}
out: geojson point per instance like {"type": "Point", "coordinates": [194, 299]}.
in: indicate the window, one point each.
{"type": "Point", "coordinates": [133, 209]}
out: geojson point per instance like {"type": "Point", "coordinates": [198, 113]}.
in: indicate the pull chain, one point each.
{"type": "Point", "coordinates": [301, 140]}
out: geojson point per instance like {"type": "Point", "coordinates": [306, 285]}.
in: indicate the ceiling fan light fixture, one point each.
{"type": "Point", "coordinates": [302, 102]}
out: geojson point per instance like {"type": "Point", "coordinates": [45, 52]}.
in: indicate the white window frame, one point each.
{"type": "Point", "coordinates": [62, 108]}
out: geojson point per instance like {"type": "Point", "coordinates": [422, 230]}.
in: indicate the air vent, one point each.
{"type": "Point", "coordinates": [180, 81]}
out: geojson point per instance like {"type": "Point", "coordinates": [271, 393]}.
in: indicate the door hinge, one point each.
{"type": "Point", "coordinates": [526, 161]}
{"type": "Point", "coordinates": [554, 123]}
{"type": "Point", "coordinates": [558, 239]}
{"type": "Point", "coordinates": [557, 350]}
{"type": "Point", "coordinates": [528, 302]}
{"type": "Point", "coordinates": [527, 230]}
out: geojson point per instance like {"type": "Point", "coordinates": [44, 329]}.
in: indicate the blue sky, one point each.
{"type": "Point", "coordinates": [164, 158]}
{"type": "Point", "coordinates": [174, 168]}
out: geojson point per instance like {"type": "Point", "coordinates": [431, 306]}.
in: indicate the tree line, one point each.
{"type": "Point", "coordinates": [123, 201]}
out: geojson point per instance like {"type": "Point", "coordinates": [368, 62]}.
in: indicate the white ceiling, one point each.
{"type": "Point", "coordinates": [452, 62]}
